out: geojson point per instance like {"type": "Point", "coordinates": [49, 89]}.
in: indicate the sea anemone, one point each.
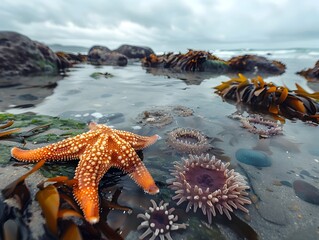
{"type": "Point", "coordinates": [207, 183]}
{"type": "Point", "coordinates": [182, 111]}
{"type": "Point", "coordinates": [188, 141]}
{"type": "Point", "coordinates": [257, 125]}
{"type": "Point", "coordinates": [155, 117]}
{"type": "Point", "coordinates": [159, 221]}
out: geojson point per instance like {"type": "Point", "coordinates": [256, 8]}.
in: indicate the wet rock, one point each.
{"type": "Point", "coordinates": [253, 157]}
{"type": "Point", "coordinates": [306, 191]}
{"type": "Point", "coordinates": [256, 64]}
{"type": "Point", "coordinates": [277, 214]}
{"type": "Point", "coordinates": [28, 97]}
{"type": "Point", "coordinates": [311, 74]}
{"type": "Point", "coordinates": [192, 61]}
{"type": "Point", "coordinates": [310, 232]}
{"type": "Point", "coordinates": [99, 55]}
{"type": "Point", "coordinates": [19, 55]}
{"type": "Point", "coordinates": [132, 51]}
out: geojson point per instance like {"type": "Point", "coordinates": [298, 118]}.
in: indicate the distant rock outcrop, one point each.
{"type": "Point", "coordinates": [202, 61]}
{"type": "Point", "coordinates": [132, 51]}
{"type": "Point", "coordinates": [256, 65]}
{"type": "Point", "coordinates": [19, 55]}
{"type": "Point", "coordinates": [192, 61]}
{"type": "Point", "coordinates": [311, 74]}
{"type": "Point", "coordinates": [100, 55]}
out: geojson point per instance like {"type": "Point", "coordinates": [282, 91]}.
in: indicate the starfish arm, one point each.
{"type": "Point", "coordinates": [137, 142]}
{"type": "Point", "coordinates": [67, 149]}
{"type": "Point", "coordinates": [94, 163]}
{"type": "Point", "coordinates": [127, 160]}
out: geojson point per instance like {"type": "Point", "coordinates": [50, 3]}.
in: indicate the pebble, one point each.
{"type": "Point", "coordinates": [306, 191]}
{"type": "Point", "coordinates": [253, 157]}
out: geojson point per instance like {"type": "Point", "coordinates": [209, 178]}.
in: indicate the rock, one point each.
{"type": "Point", "coordinates": [131, 51]}
{"type": "Point", "coordinates": [19, 55]}
{"type": "Point", "coordinates": [311, 74]}
{"type": "Point", "coordinates": [99, 55]}
{"type": "Point", "coordinates": [256, 64]}
{"type": "Point", "coordinates": [192, 61]}
{"type": "Point", "coordinates": [253, 157]}
{"type": "Point", "coordinates": [306, 191]}
{"type": "Point", "coordinates": [96, 52]}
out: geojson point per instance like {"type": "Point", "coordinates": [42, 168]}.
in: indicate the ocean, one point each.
{"type": "Point", "coordinates": [278, 211]}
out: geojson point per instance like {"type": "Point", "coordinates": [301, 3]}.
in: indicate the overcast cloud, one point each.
{"type": "Point", "coordinates": [166, 25]}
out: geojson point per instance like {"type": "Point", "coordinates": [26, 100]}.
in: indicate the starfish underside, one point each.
{"type": "Point", "coordinates": [98, 150]}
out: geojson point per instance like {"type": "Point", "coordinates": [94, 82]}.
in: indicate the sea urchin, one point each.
{"type": "Point", "coordinates": [159, 221]}
{"type": "Point", "coordinates": [207, 183]}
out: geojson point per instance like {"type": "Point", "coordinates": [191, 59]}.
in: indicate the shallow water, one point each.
{"type": "Point", "coordinates": [276, 210]}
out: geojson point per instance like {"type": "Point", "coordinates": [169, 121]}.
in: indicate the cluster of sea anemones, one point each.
{"type": "Point", "coordinates": [186, 140]}
{"type": "Point", "coordinates": [258, 125]}
{"type": "Point", "coordinates": [207, 183]}
{"type": "Point", "coordinates": [159, 221]}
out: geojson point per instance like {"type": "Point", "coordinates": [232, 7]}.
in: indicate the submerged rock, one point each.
{"type": "Point", "coordinates": [253, 157]}
{"type": "Point", "coordinates": [306, 191]}
{"type": "Point", "coordinates": [311, 74]}
{"type": "Point", "coordinates": [132, 51]}
{"type": "Point", "coordinates": [19, 55]}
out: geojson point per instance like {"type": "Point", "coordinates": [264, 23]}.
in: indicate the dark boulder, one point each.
{"type": "Point", "coordinates": [311, 74]}
{"type": "Point", "coordinates": [131, 51]}
{"type": "Point", "coordinates": [96, 52]}
{"type": "Point", "coordinates": [99, 55]}
{"type": "Point", "coordinates": [19, 55]}
{"type": "Point", "coordinates": [256, 64]}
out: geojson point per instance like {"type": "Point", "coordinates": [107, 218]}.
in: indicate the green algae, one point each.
{"type": "Point", "coordinates": [59, 169]}
{"type": "Point", "coordinates": [5, 154]}
{"type": "Point", "coordinates": [48, 138]}
{"type": "Point", "coordinates": [41, 129]}
{"type": "Point", "coordinates": [97, 75]}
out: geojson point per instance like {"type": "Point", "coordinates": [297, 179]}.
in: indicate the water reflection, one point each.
{"type": "Point", "coordinates": [26, 92]}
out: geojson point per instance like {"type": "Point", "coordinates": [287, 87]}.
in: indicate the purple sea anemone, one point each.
{"type": "Point", "coordinates": [207, 183]}
{"type": "Point", "coordinates": [159, 221]}
{"type": "Point", "coordinates": [257, 125]}
{"type": "Point", "coordinates": [188, 141]}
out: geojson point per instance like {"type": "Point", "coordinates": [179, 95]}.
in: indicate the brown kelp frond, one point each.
{"type": "Point", "coordinates": [49, 201]}
{"type": "Point", "coordinates": [278, 100]}
{"type": "Point", "coordinates": [8, 132]}
{"type": "Point", "coordinates": [60, 208]}
{"type": "Point", "coordinates": [190, 61]}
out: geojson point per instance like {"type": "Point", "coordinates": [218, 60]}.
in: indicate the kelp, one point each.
{"type": "Point", "coordinates": [59, 208]}
{"type": "Point", "coordinates": [6, 133]}
{"type": "Point", "coordinates": [193, 61]}
{"type": "Point", "coordinates": [278, 100]}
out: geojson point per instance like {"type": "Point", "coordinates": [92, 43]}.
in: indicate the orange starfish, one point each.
{"type": "Point", "coordinates": [98, 150]}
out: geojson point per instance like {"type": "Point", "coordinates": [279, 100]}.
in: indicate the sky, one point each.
{"type": "Point", "coordinates": [166, 25]}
